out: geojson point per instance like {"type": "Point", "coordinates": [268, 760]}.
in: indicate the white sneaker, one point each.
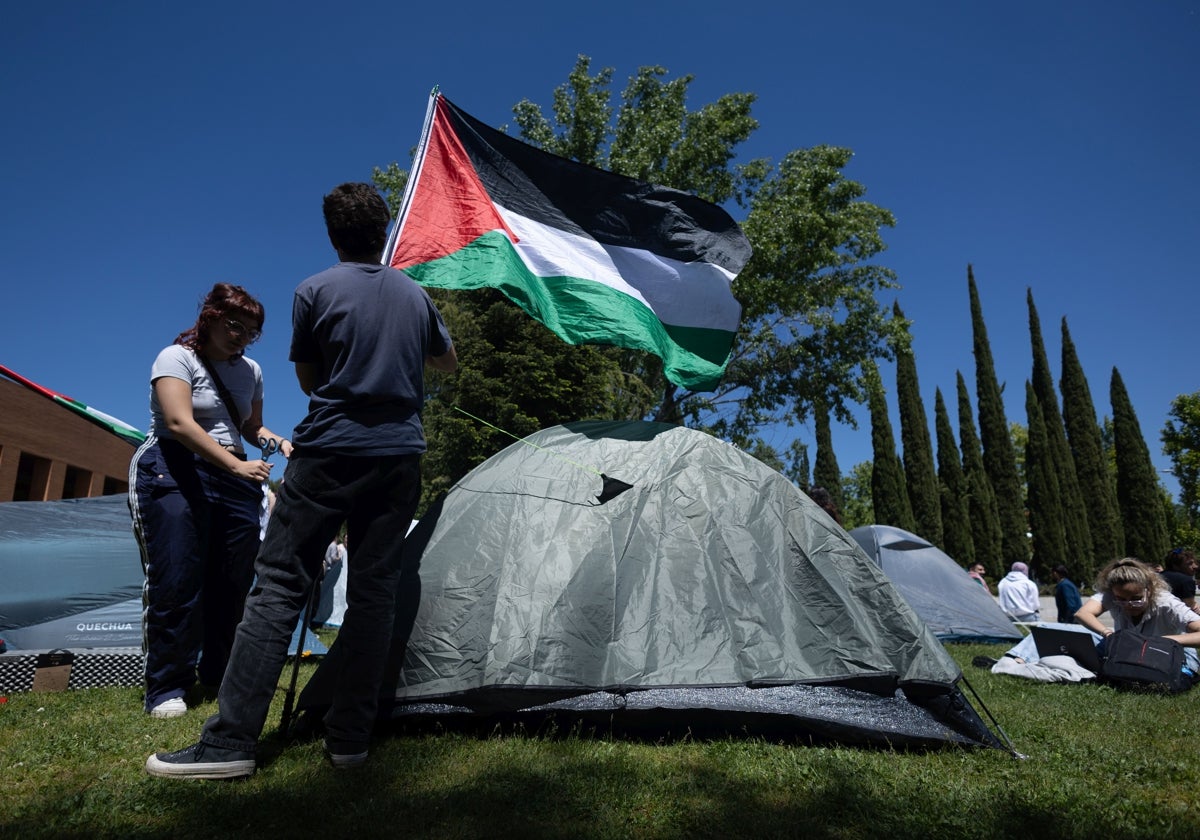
{"type": "Point", "coordinates": [173, 708]}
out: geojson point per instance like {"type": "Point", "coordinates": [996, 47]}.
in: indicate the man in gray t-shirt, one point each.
{"type": "Point", "coordinates": [365, 359]}
{"type": "Point", "coordinates": [362, 335]}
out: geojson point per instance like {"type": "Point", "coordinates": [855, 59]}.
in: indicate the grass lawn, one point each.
{"type": "Point", "coordinates": [1098, 763]}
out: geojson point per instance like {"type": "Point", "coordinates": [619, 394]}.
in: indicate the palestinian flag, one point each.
{"type": "Point", "coordinates": [104, 421]}
{"type": "Point", "coordinates": [597, 257]}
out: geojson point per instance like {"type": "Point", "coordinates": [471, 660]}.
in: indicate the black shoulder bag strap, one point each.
{"type": "Point", "coordinates": [225, 398]}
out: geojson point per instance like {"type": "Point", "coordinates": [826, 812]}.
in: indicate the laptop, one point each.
{"type": "Point", "coordinates": [1078, 644]}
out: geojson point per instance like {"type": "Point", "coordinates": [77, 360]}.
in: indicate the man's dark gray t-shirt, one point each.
{"type": "Point", "coordinates": [367, 329]}
{"type": "Point", "coordinates": [1183, 585]}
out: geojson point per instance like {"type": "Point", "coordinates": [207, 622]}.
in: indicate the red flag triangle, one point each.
{"type": "Point", "coordinates": [450, 208]}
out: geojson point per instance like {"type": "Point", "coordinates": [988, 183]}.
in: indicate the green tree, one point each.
{"type": "Point", "coordinates": [826, 472]}
{"type": "Point", "coordinates": [1045, 513]}
{"type": "Point", "coordinates": [998, 457]}
{"type": "Point", "coordinates": [810, 319]}
{"type": "Point", "coordinates": [797, 468]}
{"type": "Point", "coordinates": [1019, 435]}
{"type": "Point", "coordinates": [1179, 533]}
{"type": "Point", "coordinates": [762, 451]}
{"type": "Point", "coordinates": [1077, 533]}
{"type": "Point", "coordinates": [809, 313]}
{"type": "Point", "coordinates": [1142, 513]}
{"type": "Point", "coordinates": [981, 499]}
{"type": "Point", "coordinates": [1096, 483]}
{"type": "Point", "coordinates": [1181, 443]}
{"type": "Point", "coordinates": [952, 489]}
{"type": "Point", "coordinates": [858, 508]}
{"type": "Point", "coordinates": [888, 494]}
{"type": "Point", "coordinates": [920, 476]}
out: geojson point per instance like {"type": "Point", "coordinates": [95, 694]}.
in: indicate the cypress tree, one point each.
{"type": "Point", "coordinates": [797, 466]}
{"type": "Point", "coordinates": [998, 457]}
{"type": "Point", "coordinates": [981, 501]}
{"type": "Point", "coordinates": [888, 495]}
{"type": "Point", "coordinates": [826, 472]}
{"type": "Point", "coordinates": [1072, 511]}
{"type": "Point", "coordinates": [1091, 464]}
{"type": "Point", "coordinates": [1142, 515]}
{"type": "Point", "coordinates": [1045, 513]}
{"type": "Point", "coordinates": [952, 488]}
{"type": "Point", "coordinates": [919, 475]}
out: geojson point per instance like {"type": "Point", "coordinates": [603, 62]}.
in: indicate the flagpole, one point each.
{"type": "Point", "coordinates": [413, 175]}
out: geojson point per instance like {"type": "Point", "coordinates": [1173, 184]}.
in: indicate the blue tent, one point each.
{"type": "Point", "coordinates": [71, 576]}
{"type": "Point", "coordinates": [952, 605]}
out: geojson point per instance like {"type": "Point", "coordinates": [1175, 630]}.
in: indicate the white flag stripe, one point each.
{"type": "Point", "coordinates": [681, 294]}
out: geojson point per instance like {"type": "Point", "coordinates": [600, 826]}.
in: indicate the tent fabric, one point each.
{"type": "Point", "coordinates": [955, 607]}
{"type": "Point", "coordinates": [712, 577]}
{"type": "Point", "coordinates": [71, 576]}
{"type": "Point", "coordinates": [331, 604]}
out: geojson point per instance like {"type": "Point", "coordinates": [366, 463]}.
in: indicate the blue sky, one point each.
{"type": "Point", "coordinates": [152, 149]}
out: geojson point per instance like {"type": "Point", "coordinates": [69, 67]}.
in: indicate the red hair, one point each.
{"type": "Point", "coordinates": [224, 300]}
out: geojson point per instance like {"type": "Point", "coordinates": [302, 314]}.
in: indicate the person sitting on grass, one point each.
{"type": "Point", "coordinates": [1180, 574]}
{"type": "Point", "coordinates": [1019, 595]}
{"type": "Point", "coordinates": [1138, 599]}
{"type": "Point", "coordinates": [977, 573]}
{"type": "Point", "coordinates": [1066, 595]}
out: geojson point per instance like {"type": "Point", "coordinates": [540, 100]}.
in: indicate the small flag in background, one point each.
{"type": "Point", "coordinates": [597, 257]}
{"type": "Point", "coordinates": [104, 421]}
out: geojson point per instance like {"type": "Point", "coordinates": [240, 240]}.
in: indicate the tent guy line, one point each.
{"type": "Point", "coordinates": [611, 488]}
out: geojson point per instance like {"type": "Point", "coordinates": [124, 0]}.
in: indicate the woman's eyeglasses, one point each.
{"type": "Point", "coordinates": [1129, 602]}
{"type": "Point", "coordinates": [240, 330]}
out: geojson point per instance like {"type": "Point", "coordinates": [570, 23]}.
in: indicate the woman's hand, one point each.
{"type": "Point", "coordinates": [256, 471]}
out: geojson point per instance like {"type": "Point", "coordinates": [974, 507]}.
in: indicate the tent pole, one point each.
{"type": "Point", "coordinates": [285, 720]}
{"type": "Point", "coordinates": [1007, 741]}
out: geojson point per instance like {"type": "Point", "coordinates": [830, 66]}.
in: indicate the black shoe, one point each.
{"type": "Point", "coordinates": [983, 661]}
{"type": "Point", "coordinates": [201, 761]}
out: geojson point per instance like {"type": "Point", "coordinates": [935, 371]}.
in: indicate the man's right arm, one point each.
{"type": "Point", "coordinates": [446, 363]}
{"type": "Point", "coordinates": [306, 375]}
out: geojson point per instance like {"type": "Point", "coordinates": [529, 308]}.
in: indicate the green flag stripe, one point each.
{"type": "Point", "coordinates": [582, 311]}
{"type": "Point", "coordinates": [692, 294]}
{"type": "Point", "coordinates": [101, 419]}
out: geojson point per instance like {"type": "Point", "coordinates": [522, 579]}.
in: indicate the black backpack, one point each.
{"type": "Point", "coordinates": [1145, 663]}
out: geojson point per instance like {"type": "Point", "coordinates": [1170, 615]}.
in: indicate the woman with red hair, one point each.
{"type": "Point", "coordinates": [196, 498]}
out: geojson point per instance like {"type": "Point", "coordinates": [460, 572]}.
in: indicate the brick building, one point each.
{"type": "Point", "coordinates": [49, 452]}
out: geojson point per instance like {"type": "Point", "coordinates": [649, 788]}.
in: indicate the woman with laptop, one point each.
{"type": "Point", "coordinates": [1138, 599]}
{"type": "Point", "coordinates": [1135, 597]}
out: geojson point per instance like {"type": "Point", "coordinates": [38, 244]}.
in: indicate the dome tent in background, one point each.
{"type": "Point", "coordinates": [710, 589]}
{"type": "Point", "coordinates": [955, 607]}
{"type": "Point", "coordinates": [71, 575]}
{"type": "Point", "coordinates": [71, 579]}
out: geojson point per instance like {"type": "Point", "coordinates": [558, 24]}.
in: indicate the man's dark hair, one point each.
{"type": "Point", "coordinates": [1061, 571]}
{"type": "Point", "coordinates": [356, 217]}
{"type": "Point", "coordinates": [824, 500]}
{"type": "Point", "coordinates": [1177, 559]}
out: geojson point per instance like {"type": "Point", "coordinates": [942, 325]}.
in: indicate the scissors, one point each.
{"type": "Point", "coordinates": [269, 447]}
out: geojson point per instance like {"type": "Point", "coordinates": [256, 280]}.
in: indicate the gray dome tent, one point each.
{"type": "Point", "coordinates": [955, 607]}
{"type": "Point", "coordinates": [709, 589]}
